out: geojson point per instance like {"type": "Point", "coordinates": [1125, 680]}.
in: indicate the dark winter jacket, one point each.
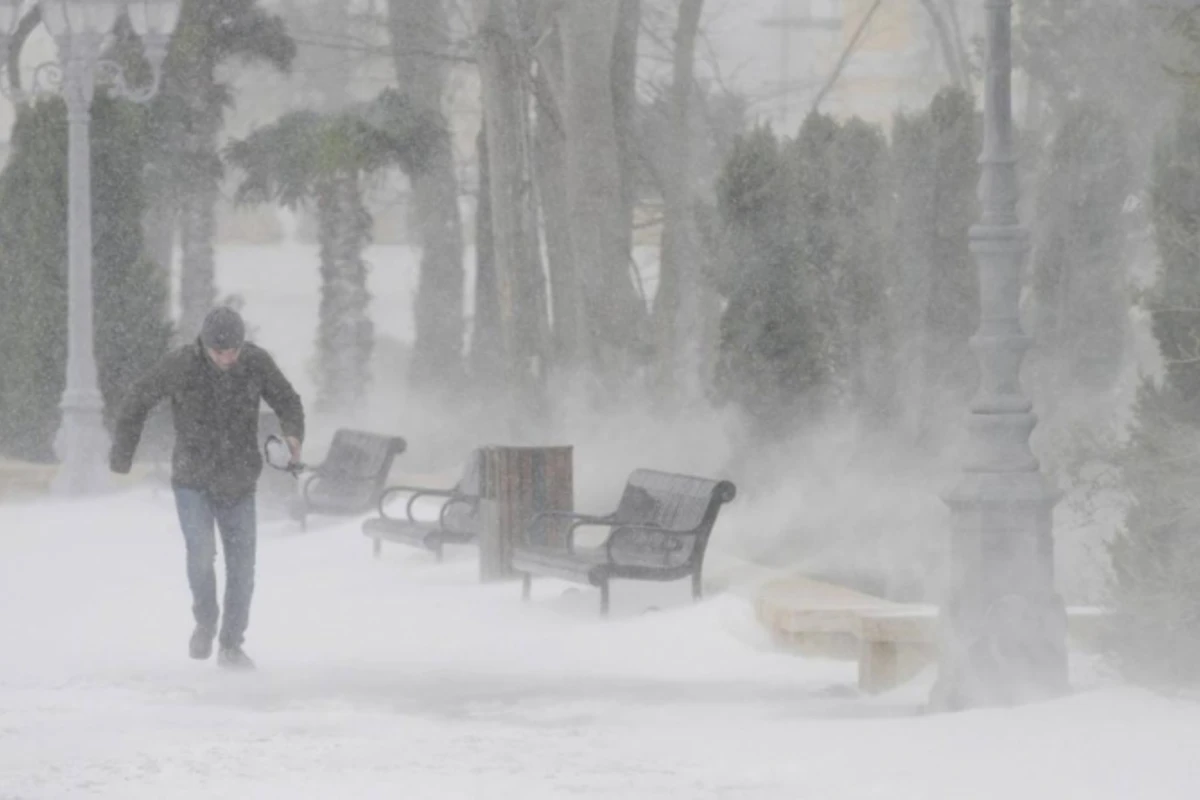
{"type": "Point", "coordinates": [216, 418]}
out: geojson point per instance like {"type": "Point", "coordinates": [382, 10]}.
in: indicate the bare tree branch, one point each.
{"type": "Point", "coordinates": [17, 43]}
{"type": "Point", "coordinates": [959, 42]}
{"type": "Point", "coordinates": [949, 52]}
{"type": "Point", "coordinates": [847, 54]}
{"type": "Point", "coordinates": [362, 47]}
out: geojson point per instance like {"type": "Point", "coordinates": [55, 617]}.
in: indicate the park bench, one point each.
{"type": "Point", "coordinates": [351, 478]}
{"type": "Point", "coordinates": [659, 532]}
{"type": "Point", "coordinates": [891, 641]}
{"type": "Point", "coordinates": [457, 522]}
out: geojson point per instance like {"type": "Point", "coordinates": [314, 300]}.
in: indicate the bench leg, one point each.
{"type": "Point", "coordinates": [878, 666]}
{"type": "Point", "coordinates": [526, 586]}
{"type": "Point", "coordinates": [604, 599]}
{"type": "Point", "coordinates": [697, 588]}
{"type": "Point", "coordinates": [376, 547]}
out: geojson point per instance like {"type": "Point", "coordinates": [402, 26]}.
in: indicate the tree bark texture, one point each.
{"type": "Point", "coordinates": [570, 336]}
{"type": "Point", "coordinates": [487, 345]}
{"type": "Point", "coordinates": [960, 47]}
{"type": "Point", "coordinates": [625, 107]}
{"type": "Point", "coordinates": [615, 314]}
{"type": "Point", "coordinates": [520, 284]}
{"type": "Point", "coordinates": [946, 41]}
{"type": "Point", "coordinates": [677, 307]}
{"type": "Point", "coordinates": [419, 30]}
{"type": "Point", "coordinates": [345, 332]}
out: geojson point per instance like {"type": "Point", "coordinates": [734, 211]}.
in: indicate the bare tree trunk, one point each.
{"type": "Point", "coordinates": [504, 72]}
{"type": "Point", "coordinates": [599, 230]}
{"type": "Point", "coordinates": [960, 45]}
{"type": "Point", "coordinates": [487, 350]}
{"type": "Point", "coordinates": [1033, 108]}
{"type": "Point", "coordinates": [847, 53]}
{"type": "Point", "coordinates": [625, 102]}
{"type": "Point", "coordinates": [345, 333]}
{"type": "Point", "coordinates": [950, 53]}
{"type": "Point", "coordinates": [551, 146]}
{"type": "Point", "coordinates": [419, 31]}
{"type": "Point", "coordinates": [678, 304]}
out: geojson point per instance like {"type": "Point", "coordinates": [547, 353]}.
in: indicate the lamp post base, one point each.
{"type": "Point", "coordinates": [82, 445]}
{"type": "Point", "coordinates": [1004, 628]}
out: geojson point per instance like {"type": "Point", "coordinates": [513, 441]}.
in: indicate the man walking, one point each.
{"type": "Point", "coordinates": [215, 385]}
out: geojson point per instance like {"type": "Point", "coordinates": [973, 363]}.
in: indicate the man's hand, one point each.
{"type": "Point", "coordinates": [294, 446]}
{"type": "Point", "coordinates": [118, 462]}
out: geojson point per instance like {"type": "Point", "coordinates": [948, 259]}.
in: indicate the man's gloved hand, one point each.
{"type": "Point", "coordinates": [119, 464]}
{"type": "Point", "coordinates": [294, 446]}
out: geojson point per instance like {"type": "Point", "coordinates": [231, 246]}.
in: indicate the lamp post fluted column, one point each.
{"type": "Point", "coordinates": [81, 29]}
{"type": "Point", "coordinates": [82, 441]}
{"type": "Point", "coordinates": [1003, 636]}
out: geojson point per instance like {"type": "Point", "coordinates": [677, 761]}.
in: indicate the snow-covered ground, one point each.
{"type": "Point", "coordinates": [403, 677]}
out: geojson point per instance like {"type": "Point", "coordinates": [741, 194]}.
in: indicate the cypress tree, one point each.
{"type": "Point", "coordinates": [1080, 255]}
{"type": "Point", "coordinates": [858, 281]}
{"type": "Point", "coordinates": [811, 203]}
{"type": "Point", "coordinates": [937, 300]}
{"type": "Point", "coordinates": [804, 218]}
{"type": "Point", "coordinates": [129, 293]}
{"type": "Point", "coordinates": [769, 356]}
{"type": "Point", "coordinates": [33, 292]}
{"type": "Point", "coordinates": [1155, 591]}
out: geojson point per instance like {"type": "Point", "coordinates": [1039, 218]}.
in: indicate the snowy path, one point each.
{"type": "Point", "coordinates": [407, 678]}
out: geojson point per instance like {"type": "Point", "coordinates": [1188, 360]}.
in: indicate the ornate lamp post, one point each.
{"type": "Point", "coordinates": [81, 29]}
{"type": "Point", "coordinates": [1003, 624]}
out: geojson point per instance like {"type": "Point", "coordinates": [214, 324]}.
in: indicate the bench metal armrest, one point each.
{"type": "Point", "coordinates": [317, 477]}
{"type": "Point", "coordinates": [418, 491]}
{"type": "Point", "coordinates": [670, 537]}
{"type": "Point", "coordinates": [577, 521]}
{"type": "Point", "coordinates": [306, 486]}
{"type": "Point", "coordinates": [460, 499]}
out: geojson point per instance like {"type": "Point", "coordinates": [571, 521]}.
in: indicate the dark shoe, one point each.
{"type": "Point", "coordinates": [200, 647]}
{"type": "Point", "coordinates": [234, 658]}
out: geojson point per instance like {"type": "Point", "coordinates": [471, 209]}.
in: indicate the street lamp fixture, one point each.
{"type": "Point", "coordinates": [154, 21]}
{"type": "Point", "coordinates": [81, 29]}
{"type": "Point", "coordinates": [1003, 623]}
{"type": "Point", "coordinates": [73, 17]}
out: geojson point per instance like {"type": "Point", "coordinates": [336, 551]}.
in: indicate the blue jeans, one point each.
{"type": "Point", "coordinates": [237, 524]}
